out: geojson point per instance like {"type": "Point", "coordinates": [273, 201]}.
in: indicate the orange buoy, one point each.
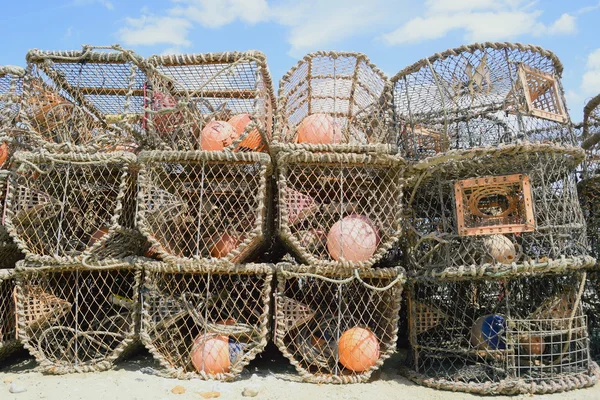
{"type": "Point", "coordinates": [217, 135]}
{"type": "Point", "coordinates": [500, 248]}
{"type": "Point", "coordinates": [358, 349]}
{"type": "Point", "coordinates": [210, 354]}
{"type": "Point", "coordinates": [253, 141]}
{"type": "Point", "coordinates": [98, 235]}
{"type": "Point", "coordinates": [354, 238]}
{"type": "Point", "coordinates": [319, 129]}
{"type": "Point", "coordinates": [224, 245]}
{"type": "Point", "coordinates": [3, 154]}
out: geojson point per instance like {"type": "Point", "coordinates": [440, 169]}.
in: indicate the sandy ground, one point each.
{"type": "Point", "coordinates": [271, 375]}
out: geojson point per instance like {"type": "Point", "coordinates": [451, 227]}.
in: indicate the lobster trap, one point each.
{"type": "Point", "coordinates": [74, 318]}
{"type": "Point", "coordinates": [513, 204]}
{"type": "Point", "coordinates": [337, 326]}
{"type": "Point", "coordinates": [87, 100]}
{"type": "Point", "coordinates": [211, 101]}
{"type": "Point", "coordinates": [334, 101]}
{"type": "Point", "coordinates": [9, 251]}
{"type": "Point", "coordinates": [591, 305]}
{"type": "Point", "coordinates": [205, 320]}
{"type": "Point", "coordinates": [204, 205]}
{"type": "Point", "coordinates": [480, 95]}
{"type": "Point", "coordinates": [72, 207]}
{"type": "Point", "coordinates": [11, 90]}
{"type": "Point", "coordinates": [499, 330]}
{"type": "Point", "coordinates": [339, 209]}
{"type": "Point", "coordinates": [8, 329]}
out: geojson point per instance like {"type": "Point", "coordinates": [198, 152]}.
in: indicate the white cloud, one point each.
{"type": "Point", "coordinates": [214, 14]}
{"type": "Point", "coordinates": [69, 32]}
{"type": "Point", "coordinates": [480, 20]}
{"type": "Point", "coordinates": [150, 30]}
{"type": "Point", "coordinates": [589, 86]}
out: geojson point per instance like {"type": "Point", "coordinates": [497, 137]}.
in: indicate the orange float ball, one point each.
{"type": "Point", "coordinates": [358, 349]}
{"type": "Point", "coordinates": [224, 245]}
{"type": "Point", "coordinates": [319, 129]}
{"type": "Point", "coordinates": [210, 354]}
{"type": "Point", "coordinates": [3, 154]}
{"type": "Point", "coordinates": [252, 141]}
{"type": "Point", "coordinates": [354, 239]}
{"type": "Point", "coordinates": [98, 235]}
{"type": "Point", "coordinates": [217, 135]}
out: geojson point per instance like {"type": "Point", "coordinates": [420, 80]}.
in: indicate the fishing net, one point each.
{"type": "Point", "coordinates": [72, 207]}
{"type": "Point", "coordinates": [334, 101]}
{"type": "Point", "coordinates": [511, 204]}
{"type": "Point", "coordinates": [74, 318]}
{"type": "Point", "coordinates": [337, 326]}
{"type": "Point", "coordinates": [205, 320]}
{"type": "Point", "coordinates": [11, 90]}
{"type": "Point", "coordinates": [339, 209]}
{"type": "Point", "coordinates": [86, 100]}
{"type": "Point", "coordinates": [9, 251]}
{"type": "Point", "coordinates": [204, 205]}
{"type": "Point", "coordinates": [480, 95]}
{"type": "Point", "coordinates": [500, 330]}
{"type": "Point", "coordinates": [8, 328]}
{"type": "Point", "coordinates": [211, 101]}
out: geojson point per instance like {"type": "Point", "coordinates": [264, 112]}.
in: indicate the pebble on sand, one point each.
{"type": "Point", "coordinates": [250, 392]}
{"type": "Point", "coordinates": [16, 388]}
{"type": "Point", "coordinates": [178, 390]}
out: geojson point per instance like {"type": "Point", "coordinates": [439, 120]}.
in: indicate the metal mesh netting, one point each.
{"type": "Point", "coordinates": [11, 89]}
{"type": "Point", "coordinates": [337, 327]}
{"type": "Point", "coordinates": [203, 205]}
{"type": "Point", "coordinates": [211, 101]}
{"type": "Point", "coordinates": [499, 331]}
{"type": "Point", "coordinates": [76, 319]}
{"type": "Point", "coordinates": [67, 207]}
{"type": "Point", "coordinates": [479, 96]}
{"type": "Point", "coordinates": [84, 100]}
{"type": "Point", "coordinates": [339, 209]}
{"type": "Point", "coordinates": [514, 204]}
{"type": "Point", "coordinates": [8, 331]}
{"type": "Point", "coordinates": [591, 304]}
{"type": "Point", "coordinates": [335, 101]}
{"type": "Point", "coordinates": [207, 320]}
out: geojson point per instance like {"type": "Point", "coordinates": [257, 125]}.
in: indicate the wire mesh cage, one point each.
{"type": "Point", "coordinates": [9, 251]}
{"type": "Point", "coordinates": [8, 328]}
{"type": "Point", "coordinates": [339, 209]}
{"type": "Point", "coordinates": [11, 90]}
{"type": "Point", "coordinates": [499, 330]}
{"type": "Point", "coordinates": [74, 318]}
{"type": "Point", "coordinates": [86, 100]}
{"type": "Point", "coordinates": [204, 205]}
{"type": "Point", "coordinates": [72, 207]}
{"type": "Point", "coordinates": [335, 102]}
{"type": "Point", "coordinates": [591, 304]}
{"type": "Point", "coordinates": [512, 204]}
{"type": "Point", "coordinates": [211, 101]}
{"type": "Point", "coordinates": [205, 320]}
{"type": "Point", "coordinates": [337, 326]}
{"type": "Point", "coordinates": [480, 95]}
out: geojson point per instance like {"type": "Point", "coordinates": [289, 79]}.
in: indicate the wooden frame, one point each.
{"type": "Point", "coordinates": [537, 85]}
{"type": "Point", "coordinates": [467, 204]}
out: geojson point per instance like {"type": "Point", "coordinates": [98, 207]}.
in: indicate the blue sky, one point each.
{"type": "Point", "coordinates": [393, 33]}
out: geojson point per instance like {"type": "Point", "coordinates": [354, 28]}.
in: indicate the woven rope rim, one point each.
{"type": "Point", "coordinates": [372, 159]}
{"type": "Point", "coordinates": [12, 70]}
{"type": "Point", "coordinates": [214, 266]}
{"type": "Point", "coordinates": [199, 155]}
{"type": "Point", "coordinates": [86, 54]}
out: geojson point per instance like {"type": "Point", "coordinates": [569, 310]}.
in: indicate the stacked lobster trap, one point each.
{"type": "Point", "coordinates": [204, 207]}
{"type": "Point", "coordinates": [493, 221]}
{"type": "Point", "coordinates": [589, 194]}
{"type": "Point", "coordinates": [70, 206]}
{"type": "Point", "coordinates": [340, 187]}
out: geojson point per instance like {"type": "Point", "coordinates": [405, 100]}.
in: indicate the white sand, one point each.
{"type": "Point", "coordinates": [275, 379]}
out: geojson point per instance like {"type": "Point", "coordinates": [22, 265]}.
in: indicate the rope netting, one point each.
{"type": "Point", "coordinates": [9, 251]}
{"type": "Point", "coordinates": [205, 320]}
{"type": "Point", "coordinates": [212, 101]}
{"type": "Point", "coordinates": [513, 205]}
{"type": "Point", "coordinates": [500, 331]}
{"type": "Point", "coordinates": [86, 100]}
{"type": "Point", "coordinates": [337, 326]}
{"type": "Point", "coordinates": [333, 101]}
{"type": "Point", "coordinates": [8, 331]}
{"type": "Point", "coordinates": [339, 209]}
{"type": "Point", "coordinates": [74, 318]}
{"type": "Point", "coordinates": [204, 205]}
{"type": "Point", "coordinates": [70, 207]}
{"type": "Point", "coordinates": [11, 90]}
{"type": "Point", "coordinates": [480, 95]}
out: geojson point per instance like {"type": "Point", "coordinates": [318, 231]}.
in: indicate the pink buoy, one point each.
{"type": "Point", "coordinates": [217, 135]}
{"type": "Point", "coordinates": [354, 238]}
{"type": "Point", "coordinates": [319, 129]}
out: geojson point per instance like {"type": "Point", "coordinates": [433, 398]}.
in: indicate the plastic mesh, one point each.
{"type": "Point", "coordinates": [337, 327]}
{"type": "Point", "coordinates": [479, 96]}
{"type": "Point", "coordinates": [515, 204]}
{"type": "Point", "coordinates": [515, 334]}
{"type": "Point", "coordinates": [337, 101]}
{"type": "Point", "coordinates": [62, 207]}
{"type": "Point", "coordinates": [8, 328]}
{"type": "Point", "coordinates": [203, 205]}
{"type": "Point", "coordinates": [339, 209]}
{"type": "Point", "coordinates": [83, 100]}
{"type": "Point", "coordinates": [189, 93]}
{"type": "Point", "coordinates": [76, 319]}
{"type": "Point", "coordinates": [206, 320]}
